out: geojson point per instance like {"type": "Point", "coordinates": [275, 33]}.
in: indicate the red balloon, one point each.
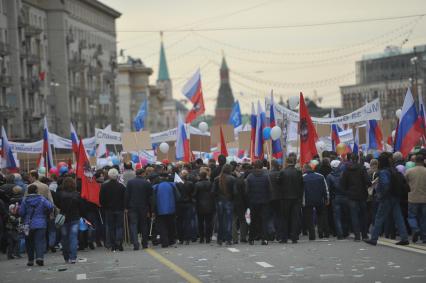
{"type": "Point", "coordinates": [54, 171]}
{"type": "Point", "coordinates": [138, 166]}
{"type": "Point", "coordinates": [61, 164]}
{"type": "Point", "coordinates": [165, 162]}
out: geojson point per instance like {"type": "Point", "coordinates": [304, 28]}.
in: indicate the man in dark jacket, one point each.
{"type": "Point", "coordinates": [111, 199]}
{"type": "Point", "coordinates": [277, 197]}
{"type": "Point", "coordinates": [315, 196]}
{"type": "Point", "coordinates": [355, 183]}
{"type": "Point", "coordinates": [218, 169]}
{"type": "Point", "coordinates": [137, 198]}
{"type": "Point", "coordinates": [292, 185]}
{"type": "Point", "coordinates": [258, 193]}
{"type": "Point", "coordinates": [339, 200]}
{"type": "Point", "coordinates": [185, 205]}
{"type": "Point", "coordinates": [205, 206]}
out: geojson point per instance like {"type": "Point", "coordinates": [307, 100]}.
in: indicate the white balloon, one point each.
{"type": "Point", "coordinates": [203, 127]}
{"type": "Point", "coordinates": [293, 102]}
{"type": "Point", "coordinates": [398, 113]}
{"type": "Point", "coordinates": [164, 147]}
{"type": "Point", "coordinates": [275, 133]}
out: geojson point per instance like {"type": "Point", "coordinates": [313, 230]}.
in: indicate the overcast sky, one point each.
{"type": "Point", "coordinates": [288, 60]}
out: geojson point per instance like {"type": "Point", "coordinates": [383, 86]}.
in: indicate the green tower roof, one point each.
{"type": "Point", "coordinates": [163, 73]}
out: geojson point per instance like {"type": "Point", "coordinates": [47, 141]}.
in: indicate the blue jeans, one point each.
{"type": "Point", "coordinates": [417, 218]}
{"type": "Point", "coordinates": [36, 242]}
{"type": "Point", "coordinates": [358, 209]}
{"type": "Point", "coordinates": [138, 218]}
{"type": "Point", "coordinates": [114, 223]}
{"type": "Point", "coordinates": [51, 230]}
{"type": "Point", "coordinates": [386, 207]}
{"type": "Point", "coordinates": [224, 217]}
{"type": "Point", "coordinates": [69, 232]}
{"type": "Point", "coordinates": [340, 207]}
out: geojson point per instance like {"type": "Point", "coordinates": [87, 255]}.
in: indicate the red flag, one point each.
{"type": "Point", "coordinates": [194, 92]}
{"type": "Point", "coordinates": [223, 149]}
{"type": "Point", "coordinates": [307, 132]}
{"type": "Point", "coordinates": [90, 190]}
{"type": "Point", "coordinates": [83, 163]}
{"type": "Point", "coordinates": [42, 75]}
{"type": "Point", "coordinates": [197, 110]}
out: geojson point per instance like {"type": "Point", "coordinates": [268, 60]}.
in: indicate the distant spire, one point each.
{"type": "Point", "coordinates": [163, 71]}
{"type": "Point", "coordinates": [224, 65]}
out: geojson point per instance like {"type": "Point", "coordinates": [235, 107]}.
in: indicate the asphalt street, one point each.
{"type": "Point", "coordinates": [321, 260]}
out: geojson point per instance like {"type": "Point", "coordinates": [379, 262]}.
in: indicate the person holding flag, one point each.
{"type": "Point", "coordinates": [193, 91]}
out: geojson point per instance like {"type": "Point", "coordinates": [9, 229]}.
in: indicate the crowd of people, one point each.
{"type": "Point", "coordinates": [232, 203]}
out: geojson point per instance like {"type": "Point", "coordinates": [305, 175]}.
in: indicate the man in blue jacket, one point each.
{"type": "Point", "coordinates": [315, 196]}
{"type": "Point", "coordinates": [165, 197]}
{"type": "Point", "coordinates": [137, 200]}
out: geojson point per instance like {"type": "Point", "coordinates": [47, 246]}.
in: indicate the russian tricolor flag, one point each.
{"type": "Point", "coordinates": [193, 91]}
{"type": "Point", "coordinates": [74, 140]}
{"type": "Point", "coordinates": [422, 114]}
{"type": "Point", "coordinates": [8, 160]}
{"type": "Point", "coordinates": [260, 124]}
{"type": "Point", "coordinates": [410, 128]}
{"type": "Point", "coordinates": [375, 137]}
{"type": "Point", "coordinates": [277, 151]}
{"type": "Point", "coordinates": [253, 131]}
{"type": "Point", "coordinates": [182, 142]}
{"type": "Point", "coordinates": [47, 150]}
{"type": "Point", "coordinates": [335, 140]}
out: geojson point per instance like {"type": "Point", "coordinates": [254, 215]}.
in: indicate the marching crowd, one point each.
{"type": "Point", "coordinates": [240, 203]}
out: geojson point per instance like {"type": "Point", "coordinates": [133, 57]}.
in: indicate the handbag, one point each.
{"type": "Point", "coordinates": [59, 220]}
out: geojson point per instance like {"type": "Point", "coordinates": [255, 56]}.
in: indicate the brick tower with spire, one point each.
{"type": "Point", "coordinates": [225, 98]}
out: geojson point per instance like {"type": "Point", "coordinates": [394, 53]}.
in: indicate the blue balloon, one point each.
{"type": "Point", "coordinates": [63, 170]}
{"type": "Point", "coordinates": [266, 133]}
{"type": "Point", "coordinates": [115, 160]}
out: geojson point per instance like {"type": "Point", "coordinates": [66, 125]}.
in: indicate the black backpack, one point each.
{"type": "Point", "coordinates": [399, 186]}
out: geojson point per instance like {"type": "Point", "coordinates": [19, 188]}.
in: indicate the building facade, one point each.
{"type": "Point", "coordinates": [58, 60]}
{"type": "Point", "coordinates": [225, 98]}
{"type": "Point", "coordinates": [134, 89]}
{"type": "Point", "coordinates": [386, 76]}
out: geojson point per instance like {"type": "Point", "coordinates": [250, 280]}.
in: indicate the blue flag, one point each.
{"type": "Point", "coordinates": [139, 121]}
{"type": "Point", "coordinates": [235, 118]}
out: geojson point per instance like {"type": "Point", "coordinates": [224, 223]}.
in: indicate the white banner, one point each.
{"type": "Point", "coordinates": [107, 137]}
{"type": "Point", "coordinates": [370, 111]}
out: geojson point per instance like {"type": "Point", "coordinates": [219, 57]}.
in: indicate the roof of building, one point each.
{"type": "Point", "coordinates": [101, 6]}
{"type": "Point", "coordinates": [163, 70]}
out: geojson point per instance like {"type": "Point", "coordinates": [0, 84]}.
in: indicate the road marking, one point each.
{"type": "Point", "coordinates": [81, 276]}
{"type": "Point", "coordinates": [264, 264]}
{"type": "Point", "coordinates": [185, 275]}
{"type": "Point", "coordinates": [410, 248]}
{"type": "Point", "coordinates": [233, 250]}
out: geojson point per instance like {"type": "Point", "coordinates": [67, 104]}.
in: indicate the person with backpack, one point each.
{"type": "Point", "coordinates": [34, 210]}
{"type": "Point", "coordinates": [387, 195]}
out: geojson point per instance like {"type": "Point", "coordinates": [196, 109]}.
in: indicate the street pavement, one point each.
{"type": "Point", "coordinates": [318, 261]}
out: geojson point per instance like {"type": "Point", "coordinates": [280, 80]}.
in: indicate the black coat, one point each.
{"type": "Point", "coordinates": [277, 189]}
{"type": "Point", "coordinates": [292, 183]}
{"type": "Point", "coordinates": [258, 187]}
{"type": "Point", "coordinates": [138, 193]}
{"type": "Point", "coordinates": [186, 191]}
{"type": "Point", "coordinates": [111, 196]}
{"type": "Point", "coordinates": [229, 193]}
{"type": "Point", "coordinates": [70, 205]}
{"type": "Point", "coordinates": [355, 182]}
{"type": "Point", "coordinates": [204, 196]}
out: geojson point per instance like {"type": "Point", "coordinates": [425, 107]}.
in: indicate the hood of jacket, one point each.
{"type": "Point", "coordinates": [33, 199]}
